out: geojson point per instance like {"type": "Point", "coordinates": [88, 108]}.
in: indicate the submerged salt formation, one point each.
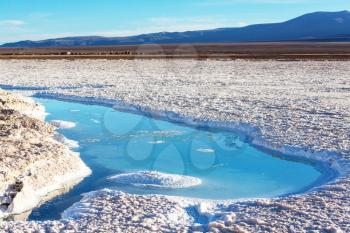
{"type": "Point", "coordinates": [156, 180]}
{"type": "Point", "coordinates": [34, 167]}
{"type": "Point", "coordinates": [300, 108]}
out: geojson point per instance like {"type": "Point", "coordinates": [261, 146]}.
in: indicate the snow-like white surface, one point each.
{"type": "Point", "coordinates": [299, 108]}
{"type": "Point", "coordinates": [156, 180]}
{"type": "Point", "coordinates": [63, 124]}
{"type": "Point", "coordinates": [112, 211]}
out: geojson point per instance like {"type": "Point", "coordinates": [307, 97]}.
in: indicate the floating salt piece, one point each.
{"type": "Point", "coordinates": [205, 150]}
{"type": "Point", "coordinates": [63, 124]}
{"type": "Point", "coordinates": [95, 121]}
{"type": "Point", "coordinates": [157, 142]}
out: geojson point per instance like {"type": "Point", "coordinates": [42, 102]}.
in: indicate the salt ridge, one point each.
{"type": "Point", "coordinates": [46, 168]}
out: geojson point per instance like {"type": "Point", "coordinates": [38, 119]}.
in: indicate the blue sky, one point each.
{"type": "Point", "coordinates": [40, 19]}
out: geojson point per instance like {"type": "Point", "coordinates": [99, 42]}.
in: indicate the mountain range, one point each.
{"type": "Point", "coordinates": [317, 26]}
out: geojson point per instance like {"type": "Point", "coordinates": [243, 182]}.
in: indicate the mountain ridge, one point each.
{"type": "Point", "coordinates": [328, 26]}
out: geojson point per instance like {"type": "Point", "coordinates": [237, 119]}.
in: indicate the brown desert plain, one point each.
{"type": "Point", "coordinates": [263, 50]}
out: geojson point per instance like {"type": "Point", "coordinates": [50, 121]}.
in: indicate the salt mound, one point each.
{"type": "Point", "coordinates": [63, 124]}
{"type": "Point", "coordinates": [156, 180]}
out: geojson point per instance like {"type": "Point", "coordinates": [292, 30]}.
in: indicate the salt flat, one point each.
{"type": "Point", "coordinates": [300, 108]}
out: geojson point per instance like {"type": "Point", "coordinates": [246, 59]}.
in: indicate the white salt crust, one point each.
{"type": "Point", "coordinates": [299, 108]}
{"type": "Point", "coordinates": [34, 167]}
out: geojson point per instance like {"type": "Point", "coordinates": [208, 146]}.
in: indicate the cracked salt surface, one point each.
{"type": "Point", "coordinates": [300, 108]}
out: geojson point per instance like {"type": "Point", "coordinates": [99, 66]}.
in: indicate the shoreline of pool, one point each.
{"type": "Point", "coordinates": [323, 161]}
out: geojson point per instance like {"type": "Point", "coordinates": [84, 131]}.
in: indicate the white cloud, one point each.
{"type": "Point", "coordinates": [229, 2]}
{"type": "Point", "coordinates": [158, 24]}
{"type": "Point", "coordinates": [171, 24]}
{"type": "Point", "coordinates": [150, 25]}
{"type": "Point", "coordinates": [12, 22]}
{"type": "Point", "coordinates": [40, 15]}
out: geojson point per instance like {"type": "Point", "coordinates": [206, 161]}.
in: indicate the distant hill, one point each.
{"type": "Point", "coordinates": [318, 26]}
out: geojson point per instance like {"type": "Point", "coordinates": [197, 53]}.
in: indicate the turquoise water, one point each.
{"type": "Point", "coordinates": [113, 142]}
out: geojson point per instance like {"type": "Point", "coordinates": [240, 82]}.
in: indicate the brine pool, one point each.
{"type": "Point", "coordinates": [140, 155]}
